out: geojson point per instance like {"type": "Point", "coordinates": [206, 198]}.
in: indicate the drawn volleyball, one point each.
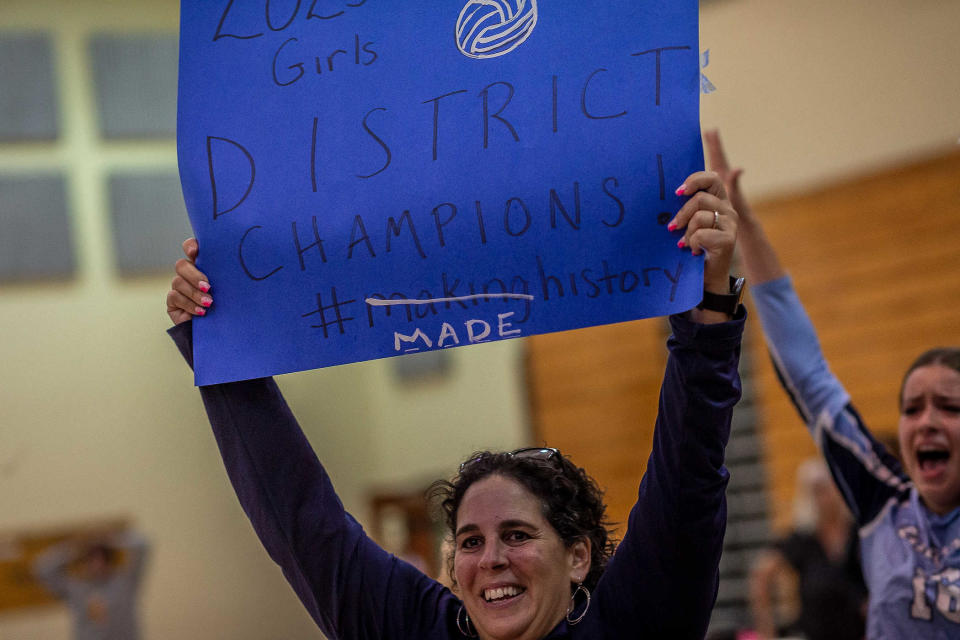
{"type": "Point", "coordinates": [491, 28]}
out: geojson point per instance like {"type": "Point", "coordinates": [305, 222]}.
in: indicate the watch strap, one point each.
{"type": "Point", "coordinates": [724, 302]}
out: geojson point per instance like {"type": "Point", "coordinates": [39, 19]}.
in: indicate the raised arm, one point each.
{"type": "Point", "coordinates": [865, 473]}
{"type": "Point", "coordinates": [667, 564]}
{"type": "Point", "coordinates": [50, 567]}
{"type": "Point", "coordinates": [136, 548]}
{"type": "Point", "coordinates": [351, 587]}
{"type": "Point", "coordinates": [760, 260]}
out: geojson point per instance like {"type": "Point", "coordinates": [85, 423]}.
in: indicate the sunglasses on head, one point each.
{"type": "Point", "coordinates": [539, 453]}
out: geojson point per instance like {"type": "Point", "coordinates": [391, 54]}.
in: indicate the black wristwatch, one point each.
{"type": "Point", "coordinates": [724, 302]}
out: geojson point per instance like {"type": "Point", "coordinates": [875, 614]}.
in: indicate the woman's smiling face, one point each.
{"type": "Point", "coordinates": [512, 569]}
{"type": "Point", "coordinates": [930, 435]}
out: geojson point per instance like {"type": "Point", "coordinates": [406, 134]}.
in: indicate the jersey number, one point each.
{"type": "Point", "coordinates": [948, 595]}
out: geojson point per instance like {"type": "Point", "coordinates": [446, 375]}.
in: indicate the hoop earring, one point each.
{"type": "Point", "coordinates": [573, 605]}
{"type": "Point", "coordinates": [465, 627]}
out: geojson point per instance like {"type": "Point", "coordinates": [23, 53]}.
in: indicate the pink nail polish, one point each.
{"type": "Point", "coordinates": [200, 311]}
{"type": "Point", "coordinates": [204, 286]}
{"type": "Point", "coordinates": [681, 243]}
{"type": "Point", "coordinates": [681, 190]}
{"type": "Point", "coordinates": [205, 301]}
{"type": "Point", "coordinates": [672, 226]}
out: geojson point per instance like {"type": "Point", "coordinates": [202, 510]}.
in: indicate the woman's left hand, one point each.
{"type": "Point", "coordinates": [710, 224]}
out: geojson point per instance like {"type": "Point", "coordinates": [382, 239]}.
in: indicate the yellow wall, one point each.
{"type": "Point", "coordinates": [97, 412]}
{"type": "Point", "coordinates": [818, 90]}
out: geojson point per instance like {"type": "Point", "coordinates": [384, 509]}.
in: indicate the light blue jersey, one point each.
{"type": "Point", "coordinates": [911, 556]}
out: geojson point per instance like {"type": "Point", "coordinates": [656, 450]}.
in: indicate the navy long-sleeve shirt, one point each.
{"type": "Point", "coordinates": [660, 583]}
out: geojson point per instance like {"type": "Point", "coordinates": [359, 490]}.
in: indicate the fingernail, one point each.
{"type": "Point", "coordinates": [206, 301]}
{"type": "Point", "coordinates": [200, 311]}
{"type": "Point", "coordinates": [672, 226]}
{"type": "Point", "coordinates": [204, 286]}
{"type": "Point", "coordinates": [681, 190]}
{"type": "Point", "coordinates": [681, 243]}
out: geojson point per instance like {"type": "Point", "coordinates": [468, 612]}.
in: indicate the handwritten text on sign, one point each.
{"type": "Point", "coordinates": [372, 178]}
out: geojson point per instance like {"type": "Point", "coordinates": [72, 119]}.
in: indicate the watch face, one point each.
{"type": "Point", "coordinates": [736, 287]}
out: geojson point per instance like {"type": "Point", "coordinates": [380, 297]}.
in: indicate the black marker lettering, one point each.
{"type": "Point", "coordinates": [383, 144]}
{"type": "Point", "coordinates": [675, 279]}
{"type": "Point", "coordinates": [619, 202]}
{"type": "Point", "coordinates": [423, 310]}
{"type": "Point", "coordinates": [297, 65]}
{"type": "Point", "coordinates": [608, 277]}
{"type": "Point", "coordinates": [546, 280]}
{"type": "Point", "coordinates": [573, 283]}
{"type": "Point", "coordinates": [663, 189]}
{"type": "Point", "coordinates": [585, 275]}
{"type": "Point", "coordinates": [483, 229]}
{"type": "Point", "coordinates": [503, 288]}
{"type": "Point", "coordinates": [313, 156]}
{"type": "Point", "coordinates": [317, 242]}
{"type": "Point", "coordinates": [524, 288]}
{"type": "Point", "coordinates": [311, 14]}
{"type": "Point", "coordinates": [635, 280]}
{"type": "Point", "coordinates": [335, 306]}
{"type": "Point", "coordinates": [664, 216]}
{"type": "Point", "coordinates": [556, 204]}
{"type": "Point", "coordinates": [486, 112]}
{"type": "Point", "coordinates": [440, 225]}
{"type": "Point", "coordinates": [506, 217]}
{"type": "Point", "coordinates": [583, 101]}
{"type": "Point", "coordinates": [213, 180]}
{"type": "Point", "coordinates": [451, 291]}
{"type": "Point", "coordinates": [334, 55]}
{"type": "Point", "coordinates": [370, 307]}
{"type": "Point", "coordinates": [394, 228]}
{"type": "Point", "coordinates": [554, 104]}
{"type": "Point", "coordinates": [219, 34]}
{"type": "Point", "coordinates": [647, 272]}
{"type": "Point", "coordinates": [293, 14]}
{"type": "Point", "coordinates": [436, 116]}
{"type": "Point", "coordinates": [658, 52]}
{"type": "Point", "coordinates": [354, 240]}
{"type": "Point", "coordinates": [373, 54]}
{"type": "Point", "coordinates": [243, 262]}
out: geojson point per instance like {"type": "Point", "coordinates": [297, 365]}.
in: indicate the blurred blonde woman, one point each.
{"type": "Point", "coordinates": [817, 565]}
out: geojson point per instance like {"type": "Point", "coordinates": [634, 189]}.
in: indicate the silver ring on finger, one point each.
{"type": "Point", "coordinates": [716, 219]}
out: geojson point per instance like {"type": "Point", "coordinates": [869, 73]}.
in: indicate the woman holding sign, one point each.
{"type": "Point", "coordinates": [532, 555]}
{"type": "Point", "coordinates": [909, 521]}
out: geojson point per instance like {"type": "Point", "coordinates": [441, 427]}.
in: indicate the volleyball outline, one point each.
{"type": "Point", "coordinates": [524, 20]}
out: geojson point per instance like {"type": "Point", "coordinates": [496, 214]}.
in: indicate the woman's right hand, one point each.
{"type": "Point", "coordinates": [190, 290]}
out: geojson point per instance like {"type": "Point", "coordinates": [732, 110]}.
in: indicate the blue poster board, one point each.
{"type": "Point", "coordinates": [370, 178]}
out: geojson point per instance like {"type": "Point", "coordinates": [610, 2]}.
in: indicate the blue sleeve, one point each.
{"type": "Point", "coordinates": [662, 581]}
{"type": "Point", "coordinates": [866, 474]}
{"type": "Point", "coordinates": [351, 587]}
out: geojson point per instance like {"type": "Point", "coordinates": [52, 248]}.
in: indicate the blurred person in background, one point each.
{"type": "Point", "coordinates": [98, 577]}
{"type": "Point", "coordinates": [820, 558]}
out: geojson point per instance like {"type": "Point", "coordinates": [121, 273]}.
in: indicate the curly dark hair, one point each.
{"type": "Point", "coordinates": [572, 501]}
{"type": "Point", "coordinates": [946, 356]}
